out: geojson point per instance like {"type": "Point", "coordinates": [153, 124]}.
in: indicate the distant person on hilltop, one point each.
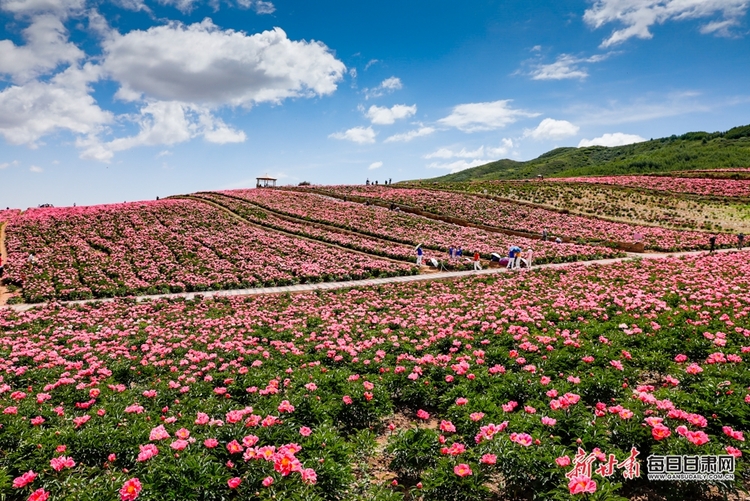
{"type": "Point", "coordinates": [712, 244]}
{"type": "Point", "coordinates": [740, 240]}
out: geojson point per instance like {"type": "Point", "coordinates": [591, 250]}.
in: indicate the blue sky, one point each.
{"type": "Point", "coordinates": [132, 99]}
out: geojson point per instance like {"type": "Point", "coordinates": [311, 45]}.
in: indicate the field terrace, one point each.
{"type": "Point", "coordinates": [478, 386]}
{"type": "Point", "coordinates": [165, 246]}
{"type": "Point", "coordinates": [408, 228]}
{"type": "Point", "coordinates": [519, 217]}
{"type": "Point", "coordinates": [692, 185]}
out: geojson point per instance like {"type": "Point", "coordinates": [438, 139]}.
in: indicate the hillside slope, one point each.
{"type": "Point", "coordinates": [694, 150]}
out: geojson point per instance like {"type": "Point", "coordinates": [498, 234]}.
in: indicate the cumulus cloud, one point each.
{"type": "Point", "coordinates": [638, 16]}
{"type": "Point", "coordinates": [408, 136]}
{"type": "Point", "coordinates": [203, 64]}
{"type": "Point", "coordinates": [46, 47]}
{"type": "Point", "coordinates": [616, 139]}
{"type": "Point", "coordinates": [552, 129]}
{"type": "Point", "coordinates": [375, 165]}
{"type": "Point", "coordinates": [387, 86]}
{"type": "Point", "coordinates": [35, 109]}
{"type": "Point", "coordinates": [386, 116]}
{"type": "Point", "coordinates": [165, 123]}
{"type": "Point", "coordinates": [360, 135]}
{"type": "Point", "coordinates": [473, 117]}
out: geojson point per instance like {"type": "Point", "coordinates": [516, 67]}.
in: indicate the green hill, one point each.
{"type": "Point", "coordinates": [694, 150]}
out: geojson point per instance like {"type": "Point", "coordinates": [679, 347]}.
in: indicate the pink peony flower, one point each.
{"type": "Point", "coordinates": [39, 495]}
{"type": "Point", "coordinates": [562, 461]}
{"type": "Point", "coordinates": [233, 483]}
{"type": "Point", "coordinates": [267, 481]}
{"type": "Point", "coordinates": [130, 490]}
{"type": "Point", "coordinates": [462, 470]}
{"type": "Point", "coordinates": [24, 479]}
{"type": "Point", "coordinates": [581, 485]}
{"type": "Point", "coordinates": [488, 459]}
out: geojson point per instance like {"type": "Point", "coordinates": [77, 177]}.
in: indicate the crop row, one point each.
{"type": "Point", "coordinates": [408, 228]}
{"type": "Point", "coordinates": [694, 185]}
{"type": "Point", "coordinates": [164, 246]}
{"type": "Point", "coordinates": [519, 217]}
{"type": "Point", "coordinates": [477, 388]}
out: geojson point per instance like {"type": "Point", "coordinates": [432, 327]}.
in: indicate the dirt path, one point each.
{"type": "Point", "coordinates": [291, 289]}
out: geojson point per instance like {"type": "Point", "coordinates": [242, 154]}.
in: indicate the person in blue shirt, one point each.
{"type": "Point", "coordinates": [451, 253]}
{"type": "Point", "coordinates": [420, 253]}
{"type": "Point", "coordinates": [459, 253]}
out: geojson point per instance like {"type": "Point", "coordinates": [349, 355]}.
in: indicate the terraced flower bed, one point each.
{"type": "Point", "coordinates": [621, 203]}
{"type": "Point", "coordinates": [165, 246]}
{"type": "Point", "coordinates": [695, 185]}
{"type": "Point", "coordinates": [504, 214]}
{"type": "Point", "coordinates": [478, 389]}
{"type": "Point", "coordinates": [355, 241]}
{"type": "Point", "coordinates": [402, 227]}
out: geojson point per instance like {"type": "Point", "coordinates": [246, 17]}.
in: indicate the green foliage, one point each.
{"type": "Point", "coordinates": [413, 451]}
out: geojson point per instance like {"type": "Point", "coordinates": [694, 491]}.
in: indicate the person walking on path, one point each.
{"type": "Point", "coordinates": [420, 253]}
{"type": "Point", "coordinates": [2, 267]}
{"type": "Point", "coordinates": [545, 235]}
{"type": "Point", "coordinates": [712, 244]}
{"type": "Point", "coordinates": [477, 264]}
{"type": "Point", "coordinates": [451, 253]}
{"type": "Point", "coordinates": [740, 240]}
{"type": "Point", "coordinates": [459, 253]}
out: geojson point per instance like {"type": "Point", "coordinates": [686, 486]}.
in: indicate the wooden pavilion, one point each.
{"type": "Point", "coordinates": [265, 182]}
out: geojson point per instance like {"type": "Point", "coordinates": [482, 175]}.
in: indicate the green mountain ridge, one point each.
{"type": "Point", "coordinates": [694, 150]}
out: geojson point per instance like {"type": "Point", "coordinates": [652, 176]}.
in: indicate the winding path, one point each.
{"type": "Point", "coordinates": [371, 282]}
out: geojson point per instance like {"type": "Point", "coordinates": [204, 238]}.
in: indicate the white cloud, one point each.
{"type": "Point", "coordinates": [408, 136]}
{"type": "Point", "coordinates": [360, 135]}
{"type": "Point", "coordinates": [46, 47]}
{"type": "Point", "coordinates": [61, 8]}
{"type": "Point", "coordinates": [165, 123]}
{"type": "Point", "coordinates": [386, 116]}
{"type": "Point", "coordinates": [448, 153]}
{"type": "Point", "coordinates": [387, 86]}
{"type": "Point", "coordinates": [259, 6]}
{"type": "Point", "coordinates": [4, 165]}
{"type": "Point", "coordinates": [638, 16]}
{"type": "Point", "coordinates": [203, 64]}
{"type": "Point", "coordinates": [375, 165]}
{"type": "Point", "coordinates": [474, 117]}
{"type": "Point", "coordinates": [35, 169]}
{"type": "Point", "coordinates": [565, 67]}
{"type": "Point", "coordinates": [457, 166]}
{"type": "Point", "coordinates": [36, 109]}
{"type": "Point", "coordinates": [481, 152]}
{"type": "Point", "coordinates": [552, 129]}
{"type": "Point", "coordinates": [616, 139]}
{"type": "Point", "coordinates": [370, 63]}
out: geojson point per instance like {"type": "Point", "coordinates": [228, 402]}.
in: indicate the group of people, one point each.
{"type": "Point", "coordinates": [516, 256]}
{"type": "Point", "coordinates": [368, 183]}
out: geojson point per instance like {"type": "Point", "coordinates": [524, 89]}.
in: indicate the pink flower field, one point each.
{"type": "Point", "coordinates": [513, 216]}
{"type": "Point", "coordinates": [694, 185]}
{"type": "Point", "coordinates": [407, 228]}
{"type": "Point", "coordinates": [556, 384]}
{"type": "Point", "coordinates": [169, 245]}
